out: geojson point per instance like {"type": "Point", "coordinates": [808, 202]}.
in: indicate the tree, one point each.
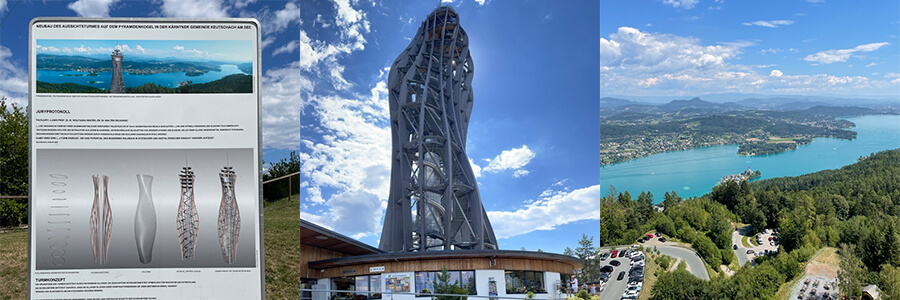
{"type": "Point", "coordinates": [890, 282]}
{"type": "Point", "coordinates": [852, 272]}
{"type": "Point", "coordinates": [728, 193]}
{"type": "Point", "coordinates": [678, 285]}
{"type": "Point", "coordinates": [444, 286]}
{"type": "Point", "coordinates": [671, 199]}
{"type": "Point", "coordinates": [13, 150]}
{"type": "Point", "coordinates": [720, 231]}
{"type": "Point", "coordinates": [280, 189]}
{"type": "Point", "coordinates": [13, 164]}
{"type": "Point", "coordinates": [588, 256]}
{"type": "Point", "coordinates": [708, 251]}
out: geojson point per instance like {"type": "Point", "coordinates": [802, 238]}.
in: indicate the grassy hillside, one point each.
{"type": "Point", "coordinates": [282, 254]}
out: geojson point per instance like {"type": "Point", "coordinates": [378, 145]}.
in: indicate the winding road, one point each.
{"type": "Point", "coordinates": [694, 264]}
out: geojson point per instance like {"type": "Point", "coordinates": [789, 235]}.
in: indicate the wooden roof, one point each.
{"type": "Point", "coordinates": [452, 254]}
{"type": "Point", "coordinates": [320, 237]}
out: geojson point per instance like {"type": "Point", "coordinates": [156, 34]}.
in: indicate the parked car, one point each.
{"type": "Point", "coordinates": [615, 263]}
{"type": "Point", "coordinates": [662, 239]}
{"type": "Point", "coordinates": [734, 247]}
{"type": "Point", "coordinates": [621, 275]}
{"type": "Point", "coordinates": [606, 269]}
{"type": "Point", "coordinates": [750, 251]}
{"type": "Point", "coordinates": [657, 234]}
{"type": "Point", "coordinates": [771, 243]}
{"type": "Point", "coordinates": [614, 253]}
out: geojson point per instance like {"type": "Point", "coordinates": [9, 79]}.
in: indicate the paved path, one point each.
{"type": "Point", "coordinates": [694, 264]}
{"type": "Point", "coordinates": [741, 251]}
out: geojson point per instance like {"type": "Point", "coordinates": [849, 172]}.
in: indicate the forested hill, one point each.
{"type": "Point", "coordinates": [234, 83]}
{"type": "Point", "coordinates": [871, 184]}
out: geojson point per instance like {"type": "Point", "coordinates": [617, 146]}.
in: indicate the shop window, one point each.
{"type": "Point", "coordinates": [361, 285]}
{"type": "Point", "coordinates": [521, 282]}
{"type": "Point", "coordinates": [425, 281]}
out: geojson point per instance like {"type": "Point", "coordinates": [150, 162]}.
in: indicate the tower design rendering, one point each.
{"type": "Point", "coordinates": [117, 83]}
{"type": "Point", "coordinates": [187, 222]}
{"type": "Point", "coordinates": [434, 202]}
{"type": "Point", "coordinates": [101, 219]}
{"type": "Point", "coordinates": [229, 216]}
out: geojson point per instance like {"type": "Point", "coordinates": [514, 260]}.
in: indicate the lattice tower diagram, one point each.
{"type": "Point", "coordinates": [187, 223]}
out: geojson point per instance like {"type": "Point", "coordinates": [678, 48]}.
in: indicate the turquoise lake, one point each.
{"type": "Point", "coordinates": [162, 79]}
{"type": "Point", "coordinates": [694, 172]}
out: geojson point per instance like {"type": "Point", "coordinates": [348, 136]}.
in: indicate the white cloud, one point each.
{"type": "Point", "coordinates": [475, 168]}
{"type": "Point", "coordinates": [771, 23]}
{"type": "Point", "coordinates": [686, 4]}
{"type": "Point", "coordinates": [520, 172]}
{"type": "Point", "coordinates": [284, 17]}
{"type": "Point", "coordinates": [643, 63]}
{"type": "Point", "coordinates": [871, 65]}
{"type": "Point", "coordinates": [91, 8]}
{"type": "Point", "coordinates": [282, 106]}
{"type": "Point", "coordinates": [550, 210]}
{"type": "Point", "coordinates": [356, 212]}
{"type": "Point", "coordinates": [511, 159]}
{"type": "Point", "coordinates": [776, 73]}
{"type": "Point", "coordinates": [2, 6]}
{"type": "Point", "coordinates": [841, 55]}
{"type": "Point", "coordinates": [770, 50]}
{"type": "Point", "coordinates": [193, 8]}
{"type": "Point", "coordinates": [355, 150]}
{"type": "Point", "coordinates": [13, 80]}
{"type": "Point", "coordinates": [636, 51]}
{"type": "Point", "coordinates": [481, 2]}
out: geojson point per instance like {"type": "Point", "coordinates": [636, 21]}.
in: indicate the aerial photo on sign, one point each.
{"type": "Point", "coordinates": [144, 66]}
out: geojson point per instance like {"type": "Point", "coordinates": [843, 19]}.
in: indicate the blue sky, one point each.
{"type": "Point", "coordinates": [229, 51]}
{"type": "Point", "coordinates": [533, 132]}
{"type": "Point", "coordinates": [693, 47]}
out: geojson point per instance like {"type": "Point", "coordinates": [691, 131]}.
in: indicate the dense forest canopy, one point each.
{"type": "Point", "coordinates": [855, 208]}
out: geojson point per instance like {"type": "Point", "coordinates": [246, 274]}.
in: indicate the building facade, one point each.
{"type": "Point", "coordinates": [434, 202]}
{"type": "Point", "coordinates": [343, 269]}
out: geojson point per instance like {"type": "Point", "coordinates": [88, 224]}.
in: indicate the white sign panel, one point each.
{"type": "Point", "coordinates": [145, 159]}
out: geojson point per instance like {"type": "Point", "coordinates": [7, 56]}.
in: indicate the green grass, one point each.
{"type": "Point", "coordinates": [14, 264]}
{"type": "Point", "coordinates": [745, 242]}
{"type": "Point", "coordinates": [281, 233]}
{"type": "Point", "coordinates": [650, 275]}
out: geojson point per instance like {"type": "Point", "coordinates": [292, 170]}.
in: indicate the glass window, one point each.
{"type": "Point", "coordinates": [465, 279]}
{"type": "Point", "coordinates": [521, 282]}
{"type": "Point", "coordinates": [362, 285]}
{"type": "Point", "coordinates": [306, 283]}
{"type": "Point", "coordinates": [375, 286]}
{"type": "Point", "coordinates": [344, 284]}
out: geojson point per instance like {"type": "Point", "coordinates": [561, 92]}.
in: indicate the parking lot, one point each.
{"type": "Point", "coordinates": [614, 288]}
{"type": "Point", "coordinates": [742, 251]}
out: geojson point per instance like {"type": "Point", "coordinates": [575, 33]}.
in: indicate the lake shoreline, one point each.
{"type": "Point", "coordinates": [693, 172]}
